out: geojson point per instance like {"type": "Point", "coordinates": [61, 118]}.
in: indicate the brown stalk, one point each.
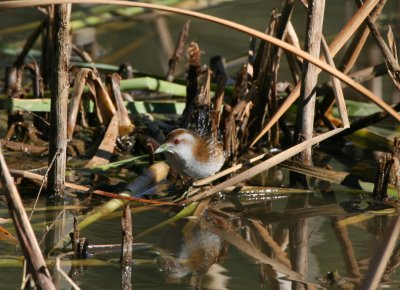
{"type": "Point", "coordinates": [262, 67]}
{"type": "Point", "coordinates": [126, 249]}
{"type": "Point", "coordinates": [104, 107]}
{"type": "Point", "coordinates": [298, 228]}
{"type": "Point", "coordinates": [294, 62]}
{"type": "Point", "coordinates": [337, 87]}
{"type": "Point", "coordinates": [219, 97]}
{"type": "Point", "coordinates": [107, 145]}
{"type": "Point", "coordinates": [390, 57]}
{"type": "Point", "coordinates": [73, 105]}
{"type": "Point", "coordinates": [59, 100]}
{"type": "Point", "coordinates": [242, 115]}
{"type": "Point", "coordinates": [26, 237]}
{"type": "Point", "coordinates": [229, 134]}
{"type": "Point", "coordinates": [193, 72]}
{"type": "Point", "coordinates": [267, 80]}
{"type": "Point", "coordinates": [59, 270]}
{"type": "Point", "coordinates": [298, 244]}
{"type": "Point", "coordinates": [279, 254]}
{"type": "Point", "coordinates": [85, 56]}
{"type": "Point", "coordinates": [23, 147]}
{"type": "Point", "coordinates": [250, 62]}
{"type": "Point", "coordinates": [28, 44]}
{"type": "Point", "coordinates": [306, 105]}
{"type": "Point", "coordinates": [34, 176]}
{"type": "Point", "coordinates": [125, 125]}
{"type": "Point", "coordinates": [179, 50]}
{"type": "Point", "coordinates": [75, 239]}
{"type": "Point", "coordinates": [347, 250]}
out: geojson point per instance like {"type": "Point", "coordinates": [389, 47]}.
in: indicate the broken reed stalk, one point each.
{"type": "Point", "coordinates": [59, 101]}
{"type": "Point", "coordinates": [306, 106]}
{"type": "Point", "coordinates": [179, 50]}
{"type": "Point", "coordinates": [381, 257]}
{"type": "Point", "coordinates": [106, 148]}
{"type": "Point", "coordinates": [126, 249]}
{"type": "Point", "coordinates": [125, 125]}
{"type": "Point", "coordinates": [268, 76]}
{"type": "Point", "coordinates": [26, 237]}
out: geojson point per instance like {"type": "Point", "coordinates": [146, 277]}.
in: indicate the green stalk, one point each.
{"type": "Point", "coordinates": [117, 164]}
{"type": "Point", "coordinates": [139, 107]}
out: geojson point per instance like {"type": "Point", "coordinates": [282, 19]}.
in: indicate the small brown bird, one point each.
{"type": "Point", "coordinates": [192, 155]}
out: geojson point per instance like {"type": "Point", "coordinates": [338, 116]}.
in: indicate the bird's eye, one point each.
{"type": "Point", "coordinates": [176, 141]}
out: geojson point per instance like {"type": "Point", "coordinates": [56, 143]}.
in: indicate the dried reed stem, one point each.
{"type": "Point", "coordinates": [59, 101]}
{"type": "Point", "coordinates": [26, 237]}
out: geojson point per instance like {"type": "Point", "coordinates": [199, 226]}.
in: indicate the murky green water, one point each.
{"type": "Point", "coordinates": [171, 260]}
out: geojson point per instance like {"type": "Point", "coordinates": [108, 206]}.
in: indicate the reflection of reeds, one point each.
{"type": "Point", "coordinates": [382, 255]}
{"type": "Point", "coordinates": [126, 249]}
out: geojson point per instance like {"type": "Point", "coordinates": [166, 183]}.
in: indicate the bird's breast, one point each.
{"type": "Point", "coordinates": [196, 169]}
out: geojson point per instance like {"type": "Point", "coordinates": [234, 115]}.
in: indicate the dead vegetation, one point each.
{"type": "Point", "coordinates": [251, 119]}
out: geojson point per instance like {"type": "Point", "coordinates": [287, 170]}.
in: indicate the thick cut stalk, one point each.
{"type": "Point", "coordinates": [59, 102]}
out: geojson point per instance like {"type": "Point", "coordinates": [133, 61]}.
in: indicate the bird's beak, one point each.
{"type": "Point", "coordinates": [163, 148]}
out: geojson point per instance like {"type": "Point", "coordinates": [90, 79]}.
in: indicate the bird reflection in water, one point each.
{"type": "Point", "coordinates": [192, 255]}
